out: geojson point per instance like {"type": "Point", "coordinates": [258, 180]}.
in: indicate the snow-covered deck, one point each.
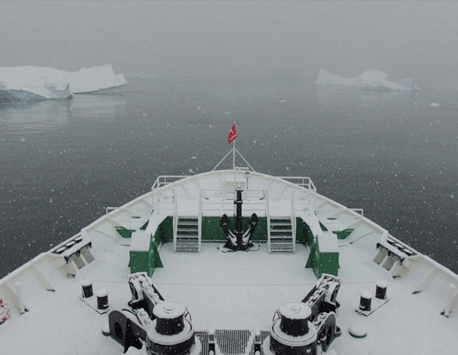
{"type": "Point", "coordinates": [240, 290]}
{"type": "Point", "coordinates": [243, 290]}
{"type": "Point", "coordinates": [234, 290]}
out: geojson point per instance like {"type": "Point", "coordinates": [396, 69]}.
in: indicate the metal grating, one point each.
{"type": "Point", "coordinates": [264, 335]}
{"type": "Point", "coordinates": [232, 342]}
{"type": "Point", "coordinates": [203, 337]}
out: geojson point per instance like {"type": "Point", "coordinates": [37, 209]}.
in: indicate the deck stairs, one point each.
{"type": "Point", "coordinates": [187, 234]}
{"type": "Point", "coordinates": [281, 236]}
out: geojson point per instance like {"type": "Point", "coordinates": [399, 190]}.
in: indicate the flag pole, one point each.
{"type": "Point", "coordinates": [233, 162]}
{"type": "Point", "coordinates": [231, 139]}
{"type": "Point", "coordinates": [233, 154]}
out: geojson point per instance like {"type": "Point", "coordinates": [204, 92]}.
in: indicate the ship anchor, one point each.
{"type": "Point", "coordinates": [238, 239]}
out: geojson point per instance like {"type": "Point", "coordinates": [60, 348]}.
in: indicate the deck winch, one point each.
{"type": "Point", "coordinates": [161, 325]}
{"type": "Point", "coordinates": [300, 327]}
{"type": "Point", "coordinates": [293, 333]}
{"type": "Point", "coordinates": [238, 240]}
{"type": "Point", "coordinates": [170, 333]}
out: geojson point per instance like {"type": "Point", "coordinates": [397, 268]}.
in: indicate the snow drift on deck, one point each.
{"type": "Point", "coordinates": [369, 80]}
{"type": "Point", "coordinates": [35, 83]}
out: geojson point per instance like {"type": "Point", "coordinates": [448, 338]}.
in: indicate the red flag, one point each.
{"type": "Point", "coordinates": [232, 135]}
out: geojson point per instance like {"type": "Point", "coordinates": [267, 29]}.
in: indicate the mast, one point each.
{"type": "Point", "coordinates": [233, 159]}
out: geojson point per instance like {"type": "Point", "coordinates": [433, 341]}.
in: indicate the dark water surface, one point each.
{"type": "Point", "coordinates": [390, 153]}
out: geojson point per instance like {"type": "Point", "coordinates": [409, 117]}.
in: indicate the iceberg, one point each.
{"type": "Point", "coordinates": [89, 80]}
{"type": "Point", "coordinates": [369, 80]}
{"type": "Point", "coordinates": [35, 83]}
{"type": "Point", "coordinates": [328, 79]}
{"type": "Point", "coordinates": [31, 83]}
{"type": "Point", "coordinates": [376, 80]}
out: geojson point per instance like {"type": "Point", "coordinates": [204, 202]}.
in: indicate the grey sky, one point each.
{"type": "Point", "coordinates": [404, 39]}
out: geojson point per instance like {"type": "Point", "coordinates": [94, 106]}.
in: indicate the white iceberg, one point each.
{"type": "Point", "coordinates": [369, 80]}
{"type": "Point", "coordinates": [376, 80]}
{"type": "Point", "coordinates": [35, 83]}
{"type": "Point", "coordinates": [31, 83]}
{"type": "Point", "coordinates": [94, 79]}
{"type": "Point", "coordinates": [328, 79]}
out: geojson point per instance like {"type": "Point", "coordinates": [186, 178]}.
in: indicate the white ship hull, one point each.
{"type": "Point", "coordinates": [232, 290]}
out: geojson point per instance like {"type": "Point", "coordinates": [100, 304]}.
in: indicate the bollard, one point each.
{"type": "Point", "coordinates": [380, 289]}
{"type": "Point", "coordinates": [86, 284]}
{"type": "Point", "coordinates": [365, 301]}
{"type": "Point", "coordinates": [102, 299]}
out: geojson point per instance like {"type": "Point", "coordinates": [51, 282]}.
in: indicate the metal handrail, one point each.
{"type": "Point", "coordinates": [175, 220]}
{"type": "Point", "coordinates": [359, 211]}
{"type": "Point", "coordinates": [268, 222]}
{"type": "Point", "coordinates": [164, 180]}
{"type": "Point", "coordinates": [302, 181]}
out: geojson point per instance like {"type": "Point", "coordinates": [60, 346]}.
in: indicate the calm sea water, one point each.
{"type": "Point", "coordinates": [390, 153]}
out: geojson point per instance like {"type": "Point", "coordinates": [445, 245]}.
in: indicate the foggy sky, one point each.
{"type": "Point", "coordinates": [404, 39]}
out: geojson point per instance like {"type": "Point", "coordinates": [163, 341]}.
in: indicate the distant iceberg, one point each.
{"type": "Point", "coordinates": [35, 83]}
{"type": "Point", "coordinates": [328, 79]}
{"type": "Point", "coordinates": [369, 80]}
{"type": "Point", "coordinates": [89, 80]}
{"type": "Point", "coordinates": [31, 83]}
{"type": "Point", "coordinates": [376, 80]}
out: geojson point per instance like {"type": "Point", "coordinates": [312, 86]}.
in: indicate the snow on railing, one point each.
{"type": "Point", "coordinates": [128, 217]}
{"type": "Point", "coordinates": [199, 222]}
{"type": "Point", "coordinates": [338, 211]}
{"type": "Point", "coordinates": [302, 181]}
{"type": "Point", "coordinates": [254, 201]}
{"type": "Point", "coordinates": [175, 220]}
{"type": "Point", "coordinates": [307, 189]}
{"type": "Point", "coordinates": [164, 180]}
{"type": "Point", "coordinates": [268, 223]}
{"type": "Point", "coordinates": [293, 219]}
{"type": "Point", "coordinates": [162, 196]}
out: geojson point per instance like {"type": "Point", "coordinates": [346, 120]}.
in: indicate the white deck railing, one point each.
{"type": "Point", "coordinates": [302, 181]}
{"type": "Point", "coordinates": [165, 180]}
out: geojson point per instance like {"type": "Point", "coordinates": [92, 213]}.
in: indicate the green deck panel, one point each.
{"type": "Point", "coordinates": [124, 232]}
{"type": "Point", "coordinates": [323, 228]}
{"type": "Point", "coordinates": [212, 232]}
{"type": "Point", "coordinates": [260, 234]}
{"type": "Point", "coordinates": [164, 233]}
{"type": "Point", "coordinates": [145, 261]}
{"type": "Point", "coordinates": [303, 233]}
{"type": "Point", "coordinates": [144, 226]}
{"type": "Point", "coordinates": [328, 263]}
{"type": "Point", "coordinates": [154, 257]}
{"type": "Point", "coordinates": [139, 261]}
{"type": "Point", "coordinates": [127, 233]}
{"type": "Point", "coordinates": [313, 257]}
{"type": "Point", "coordinates": [148, 261]}
{"type": "Point", "coordinates": [322, 262]}
{"type": "Point", "coordinates": [343, 234]}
